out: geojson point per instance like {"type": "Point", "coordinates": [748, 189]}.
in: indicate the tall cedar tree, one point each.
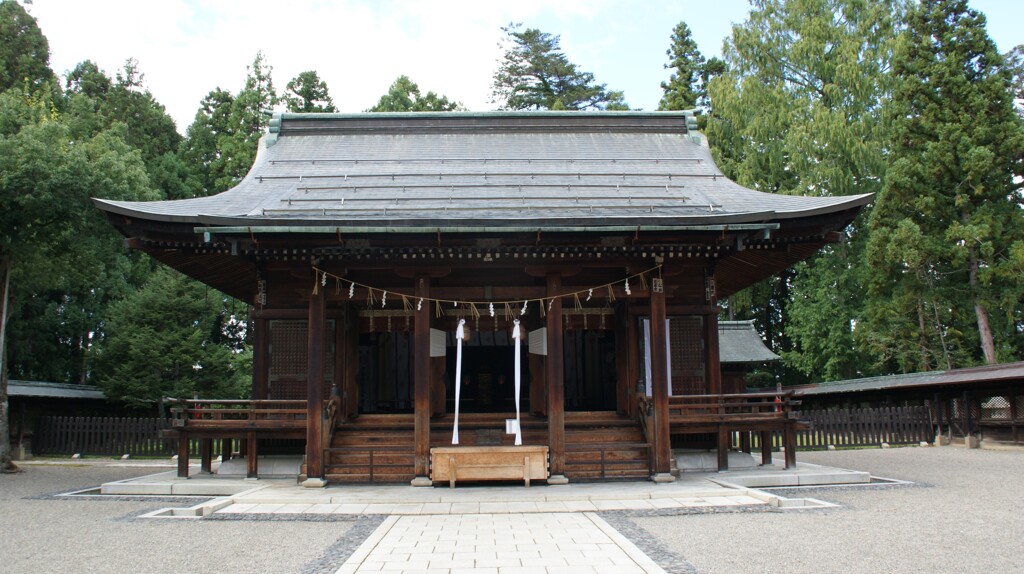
{"type": "Point", "coordinates": [947, 240]}
{"type": "Point", "coordinates": [798, 113]}
{"type": "Point", "coordinates": [535, 74]}
{"type": "Point", "coordinates": [173, 337]}
{"type": "Point", "coordinates": [405, 96]}
{"type": "Point", "coordinates": [307, 93]}
{"type": "Point", "coordinates": [24, 50]}
{"type": "Point", "coordinates": [220, 145]}
{"type": "Point", "coordinates": [687, 87]}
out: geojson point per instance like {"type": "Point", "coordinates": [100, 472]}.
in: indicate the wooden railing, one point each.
{"type": "Point", "coordinates": [730, 407]}
{"type": "Point", "coordinates": [237, 414]}
{"type": "Point", "coordinates": [645, 416]}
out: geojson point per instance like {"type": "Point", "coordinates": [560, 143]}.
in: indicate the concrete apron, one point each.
{"type": "Point", "coordinates": [283, 496]}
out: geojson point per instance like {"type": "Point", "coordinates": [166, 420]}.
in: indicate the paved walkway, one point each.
{"type": "Point", "coordinates": [497, 529]}
{"type": "Point", "coordinates": [498, 544]}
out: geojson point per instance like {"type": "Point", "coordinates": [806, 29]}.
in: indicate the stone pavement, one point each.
{"type": "Point", "coordinates": [498, 544]}
{"type": "Point", "coordinates": [500, 529]}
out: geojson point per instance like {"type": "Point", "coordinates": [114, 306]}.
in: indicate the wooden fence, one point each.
{"type": "Point", "coordinates": [107, 436]}
{"type": "Point", "coordinates": [862, 427]}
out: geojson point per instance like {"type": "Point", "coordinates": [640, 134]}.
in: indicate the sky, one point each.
{"type": "Point", "coordinates": [186, 48]}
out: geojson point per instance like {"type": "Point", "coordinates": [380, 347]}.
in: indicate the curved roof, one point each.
{"type": "Point", "coordinates": [495, 170]}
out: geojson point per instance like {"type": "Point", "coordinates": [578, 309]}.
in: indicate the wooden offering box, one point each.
{"type": "Point", "coordinates": [524, 463]}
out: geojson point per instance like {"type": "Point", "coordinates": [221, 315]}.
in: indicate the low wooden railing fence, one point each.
{"type": "Point", "coordinates": [104, 436]}
{"type": "Point", "coordinates": [860, 428]}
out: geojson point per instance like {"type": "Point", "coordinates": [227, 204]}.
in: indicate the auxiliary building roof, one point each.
{"type": "Point", "coordinates": [495, 171]}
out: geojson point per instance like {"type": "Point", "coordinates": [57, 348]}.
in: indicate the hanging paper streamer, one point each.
{"type": "Point", "coordinates": [460, 333]}
{"type": "Point", "coordinates": [516, 342]}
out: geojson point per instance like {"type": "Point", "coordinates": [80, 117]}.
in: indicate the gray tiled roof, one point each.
{"type": "Point", "coordinates": [972, 375]}
{"type": "Point", "coordinates": [739, 342]}
{"type": "Point", "coordinates": [53, 390]}
{"type": "Point", "coordinates": [496, 169]}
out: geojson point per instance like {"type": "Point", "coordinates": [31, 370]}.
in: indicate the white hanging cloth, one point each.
{"type": "Point", "coordinates": [516, 342]}
{"type": "Point", "coordinates": [460, 334]}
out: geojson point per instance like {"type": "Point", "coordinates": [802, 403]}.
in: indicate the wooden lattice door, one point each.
{"type": "Point", "coordinates": [289, 361]}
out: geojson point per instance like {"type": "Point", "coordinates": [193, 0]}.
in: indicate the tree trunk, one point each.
{"type": "Point", "coordinates": [5, 434]}
{"type": "Point", "coordinates": [988, 346]}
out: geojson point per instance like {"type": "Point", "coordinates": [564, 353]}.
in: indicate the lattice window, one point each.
{"type": "Point", "coordinates": [289, 362]}
{"type": "Point", "coordinates": [995, 408]}
{"type": "Point", "coordinates": [686, 345]}
{"type": "Point", "coordinates": [1019, 411]}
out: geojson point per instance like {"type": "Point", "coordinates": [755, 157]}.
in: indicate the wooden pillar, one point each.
{"type": "Point", "coordinates": [421, 384]}
{"type": "Point", "coordinates": [766, 447]}
{"type": "Point", "coordinates": [659, 384]}
{"type": "Point", "coordinates": [252, 467]}
{"type": "Point", "coordinates": [206, 456]}
{"type": "Point", "coordinates": [624, 387]}
{"type": "Point", "coordinates": [260, 358]}
{"type": "Point", "coordinates": [225, 449]}
{"type": "Point", "coordinates": [182, 455]}
{"type": "Point", "coordinates": [314, 389]}
{"type": "Point", "coordinates": [713, 363]}
{"type": "Point", "coordinates": [554, 373]}
{"type": "Point", "coordinates": [789, 440]}
{"type": "Point", "coordinates": [723, 447]}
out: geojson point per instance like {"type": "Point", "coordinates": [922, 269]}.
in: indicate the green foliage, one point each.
{"type": "Point", "coordinates": [536, 75]}
{"type": "Point", "coordinates": [687, 87]}
{"type": "Point", "coordinates": [220, 145]}
{"type": "Point", "coordinates": [1015, 63]}
{"type": "Point", "coordinates": [404, 96]}
{"type": "Point", "coordinates": [172, 337]}
{"type": "Point", "coordinates": [307, 93]}
{"type": "Point", "coordinates": [200, 149]}
{"type": "Point", "coordinates": [947, 229]}
{"type": "Point", "coordinates": [798, 112]}
{"type": "Point", "coordinates": [24, 50]}
{"type": "Point", "coordinates": [98, 103]}
{"type": "Point", "coordinates": [67, 262]}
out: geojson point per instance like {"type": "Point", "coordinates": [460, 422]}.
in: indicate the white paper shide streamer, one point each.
{"type": "Point", "coordinates": [460, 334]}
{"type": "Point", "coordinates": [516, 341]}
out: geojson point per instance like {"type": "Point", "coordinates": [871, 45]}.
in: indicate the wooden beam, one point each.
{"type": "Point", "coordinates": [314, 384]}
{"type": "Point", "coordinates": [416, 272]}
{"type": "Point", "coordinates": [659, 384]}
{"type": "Point", "coordinates": [555, 376]}
{"type": "Point", "coordinates": [421, 384]}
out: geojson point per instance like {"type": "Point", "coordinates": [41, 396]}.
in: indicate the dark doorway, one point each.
{"type": "Point", "coordinates": [488, 374]}
{"type": "Point", "coordinates": [385, 374]}
{"type": "Point", "coordinates": [589, 370]}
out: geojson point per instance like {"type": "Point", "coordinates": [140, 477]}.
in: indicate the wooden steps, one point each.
{"type": "Point", "coordinates": [604, 446]}
{"type": "Point", "coordinates": [381, 448]}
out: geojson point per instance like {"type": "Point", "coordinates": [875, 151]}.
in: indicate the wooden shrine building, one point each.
{"type": "Point", "coordinates": [362, 241]}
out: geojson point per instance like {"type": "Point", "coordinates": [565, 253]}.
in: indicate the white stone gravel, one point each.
{"type": "Point", "coordinates": [965, 515]}
{"type": "Point", "coordinates": [90, 535]}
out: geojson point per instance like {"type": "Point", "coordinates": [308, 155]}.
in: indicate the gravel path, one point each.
{"type": "Point", "coordinates": [966, 514]}
{"type": "Point", "coordinates": [43, 534]}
